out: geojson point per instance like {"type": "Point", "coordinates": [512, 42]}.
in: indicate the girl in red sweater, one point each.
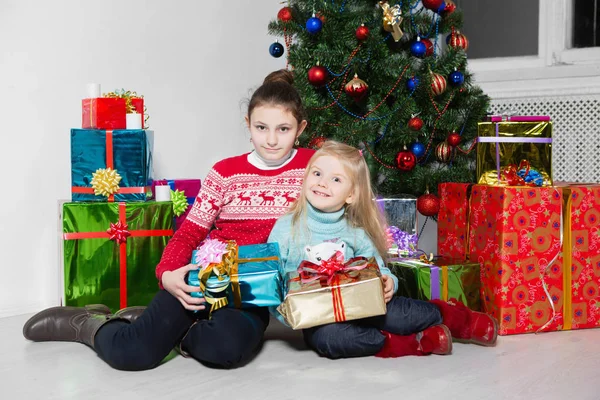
{"type": "Point", "coordinates": [241, 198]}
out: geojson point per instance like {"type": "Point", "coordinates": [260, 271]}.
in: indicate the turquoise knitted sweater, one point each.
{"type": "Point", "coordinates": [321, 227]}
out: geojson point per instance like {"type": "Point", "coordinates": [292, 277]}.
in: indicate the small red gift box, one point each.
{"type": "Point", "coordinates": [108, 112]}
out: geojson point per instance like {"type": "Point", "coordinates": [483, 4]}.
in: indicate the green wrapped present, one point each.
{"type": "Point", "coordinates": [440, 278]}
{"type": "Point", "coordinates": [111, 251]}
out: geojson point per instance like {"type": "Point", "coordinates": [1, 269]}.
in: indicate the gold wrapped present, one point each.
{"type": "Point", "coordinates": [516, 151]}
{"type": "Point", "coordinates": [332, 292]}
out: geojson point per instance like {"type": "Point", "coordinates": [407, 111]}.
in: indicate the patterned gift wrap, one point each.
{"type": "Point", "coordinates": [344, 296]}
{"type": "Point", "coordinates": [441, 278]}
{"type": "Point", "coordinates": [111, 165]}
{"type": "Point", "coordinates": [183, 195]}
{"type": "Point", "coordinates": [108, 112]}
{"type": "Point", "coordinates": [539, 253]}
{"type": "Point", "coordinates": [111, 251]}
{"type": "Point", "coordinates": [503, 147]}
{"type": "Point", "coordinates": [246, 276]}
{"type": "Point", "coordinates": [453, 219]}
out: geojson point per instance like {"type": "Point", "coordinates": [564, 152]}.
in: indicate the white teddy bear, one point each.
{"type": "Point", "coordinates": [323, 251]}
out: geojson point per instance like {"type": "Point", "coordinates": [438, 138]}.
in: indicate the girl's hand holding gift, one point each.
{"type": "Point", "coordinates": [388, 287]}
{"type": "Point", "coordinates": [174, 283]}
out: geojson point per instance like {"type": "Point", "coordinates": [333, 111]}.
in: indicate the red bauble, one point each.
{"type": "Point", "coordinates": [428, 46]}
{"type": "Point", "coordinates": [450, 7]}
{"type": "Point", "coordinates": [285, 14]}
{"type": "Point", "coordinates": [432, 4]}
{"type": "Point", "coordinates": [415, 123]}
{"type": "Point", "coordinates": [428, 204]}
{"type": "Point", "coordinates": [362, 33]}
{"type": "Point", "coordinates": [438, 84]}
{"type": "Point", "coordinates": [453, 139]}
{"type": "Point", "coordinates": [443, 152]}
{"type": "Point", "coordinates": [458, 41]}
{"type": "Point", "coordinates": [317, 142]}
{"type": "Point", "coordinates": [317, 75]}
{"type": "Point", "coordinates": [356, 88]}
{"type": "Point", "coordinates": [321, 17]}
{"type": "Point", "coordinates": [406, 160]}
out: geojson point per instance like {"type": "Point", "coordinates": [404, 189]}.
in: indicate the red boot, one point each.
{"type": "Point", "coordinates": [467, 325]}
{"type": "Point", "coordinates": [435, 339]}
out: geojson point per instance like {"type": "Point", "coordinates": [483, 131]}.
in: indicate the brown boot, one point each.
{"type": "Point", "coordinates": [130, 313]}
{"type": "Point", "coordinates": [67, 324]}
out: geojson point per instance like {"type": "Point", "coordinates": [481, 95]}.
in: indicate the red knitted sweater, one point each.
{"type": "Point", "coordinates": [237, 201]}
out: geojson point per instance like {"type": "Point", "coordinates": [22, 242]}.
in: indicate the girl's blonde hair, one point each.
{"type": "Point", "coordinates": [363, 212]}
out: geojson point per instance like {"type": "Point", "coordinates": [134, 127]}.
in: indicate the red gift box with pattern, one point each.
{"type": "Point", "coordinates": [453, 219]}
{"type": "Point", "coordinates": [538, 247]}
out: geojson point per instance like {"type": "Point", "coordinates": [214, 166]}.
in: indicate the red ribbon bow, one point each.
{"type": "Point", "coordinates": [118, 232]}
{"type": "Point", "coordinates": [510, 176]}
{"type": "Point", "coordinates": [328, 269]}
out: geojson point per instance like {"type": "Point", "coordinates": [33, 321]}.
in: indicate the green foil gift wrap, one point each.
{"type": "Point", "coordinates": [441, 278]}
{"type": "Point", "coordinates": [111, 251]}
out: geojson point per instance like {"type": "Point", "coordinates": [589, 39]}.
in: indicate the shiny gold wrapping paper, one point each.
{"type": "Point", "coordinates": [356, 295]}
{"type": "Point", "coordinates": [539, 155]}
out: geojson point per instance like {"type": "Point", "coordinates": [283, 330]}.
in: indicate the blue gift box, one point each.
{"type": "Point", "coordinates": [128, 152]}
{"type": "Point", "coordinates": [260, 282]}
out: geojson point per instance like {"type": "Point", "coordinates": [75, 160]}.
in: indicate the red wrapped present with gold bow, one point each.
{"type": "Point", "coordinates": [111, 251]}
{"type": "Point", "coordinates": [332, 291]}
{"type": "Point", "coordinates": [538, 247]}
{"type": "Point", "coordinates": [109, 111]}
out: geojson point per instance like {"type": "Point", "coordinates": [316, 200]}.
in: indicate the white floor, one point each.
{"type": "Point", "coordinates": [561, 365]}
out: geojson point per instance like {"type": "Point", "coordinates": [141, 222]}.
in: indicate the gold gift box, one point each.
{"type": "Point", "coordinates": [504, 143]}
{"type": "Point", "coordinates": [351, 295]}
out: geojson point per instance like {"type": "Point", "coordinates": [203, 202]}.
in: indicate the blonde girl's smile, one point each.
{"type": "Point", "coordinates": [328, 186]}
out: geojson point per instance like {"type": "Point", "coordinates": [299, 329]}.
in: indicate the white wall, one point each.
{"type": "Point", "coordinates": [194, 61]}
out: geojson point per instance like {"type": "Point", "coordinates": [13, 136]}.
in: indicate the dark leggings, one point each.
{"type": "Point", "coordinates": [230, 338]}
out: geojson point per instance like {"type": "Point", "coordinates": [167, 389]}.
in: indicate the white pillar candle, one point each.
{"type": "Point", "coordinates": [133, 121]}
{"type": "Point", "coordinates": [93, 90]}
{"type": "Point", "coordinates": [162, 193]}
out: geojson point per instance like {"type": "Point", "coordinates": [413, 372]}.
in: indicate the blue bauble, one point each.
{"type": "Point", "coordinates": [442, 8]}
{"type": "Point", "coordinates": [276, 50]}
{"type": "Point", "coordinates": [418, 49]}
{"type": "Point", "coordinates": [456, 78]}
{"type": "Point", "coordinates": [314, 25]}
{"type": "Point", "coordinates": [412, 83]}
{"type": "Point", "coordinates": [418, 149]}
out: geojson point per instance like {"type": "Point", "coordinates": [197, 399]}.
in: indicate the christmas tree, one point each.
{"type": "Point", "coordinates": [377, 75]}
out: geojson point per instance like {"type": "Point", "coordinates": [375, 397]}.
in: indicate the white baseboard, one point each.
{"type": "Point", "coordinates": [22, 309]}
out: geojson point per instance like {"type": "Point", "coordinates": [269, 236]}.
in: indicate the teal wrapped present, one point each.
{"type": "Point", "coordinates": [111, 165]}
{"type": "Point", "coordinates": [238, 276]}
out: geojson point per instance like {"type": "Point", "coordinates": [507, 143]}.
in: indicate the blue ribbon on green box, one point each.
{"type": "Point", "coordinates": [259, 282]}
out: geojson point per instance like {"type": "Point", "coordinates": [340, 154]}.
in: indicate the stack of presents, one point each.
{"type": "Point", "coordinates": [515, 245]}
{"type": "Point", "coordinates": [536, 241]}
{"type": "Point", "coordinates": [114, 230]}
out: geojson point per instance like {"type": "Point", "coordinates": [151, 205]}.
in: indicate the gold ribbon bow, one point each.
{"type": "Point", "coordinates": [392, 17]}
{"type": "Point", "coordinates": [227, 268]}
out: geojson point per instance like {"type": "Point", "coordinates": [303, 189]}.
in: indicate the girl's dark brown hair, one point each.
{"type": "Point", "coordinates": [278, 90]}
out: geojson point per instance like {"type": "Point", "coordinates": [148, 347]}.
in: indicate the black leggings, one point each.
{"type": "Point", "coordinates": [231, 337]}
